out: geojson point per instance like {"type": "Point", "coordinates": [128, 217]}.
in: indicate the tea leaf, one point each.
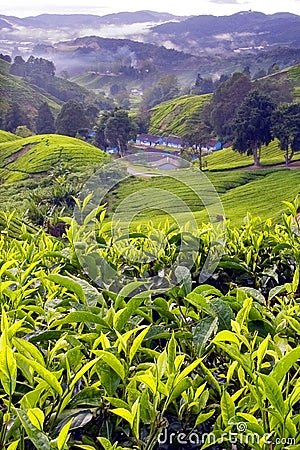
{"type": "Point", "coordinates": [283, 366]}
{"type": "Point", "coordinates": [227, 408]}
{"type": "Point", "coordinates": [125, 414]}
{"type": "Point", "coordinates": [112, 361]}
{"type": "Point", "coordinates": [203, 417]}
{"type": "Point", "coordinates": [137, 343]}
{"type": "Point", "coordinates": [43, 373]}
{"type": "Point", "coordinates": [37, 437]}
{"type": "Point", "coordinates": [273, 393]}
{"type": "Point", "coordinates": [63, 435]}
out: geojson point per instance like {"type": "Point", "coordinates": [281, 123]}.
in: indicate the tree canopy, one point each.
{"type": "Point", "coordinates": [45, 120]}
{"type": "Point", "coordinates": [251, 127]}
{"type": "Point", "coordinates": [71, 119]}
{"type": "Point", "coordinates": [286, 128]}
{"type": "Point", "coordinates": [225, 102]}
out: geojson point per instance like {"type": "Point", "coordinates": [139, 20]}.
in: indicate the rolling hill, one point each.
{"type": "Point", "coordinates": [5, 136]}
{"type": "Point", "coordinates": [31, 167]}
{"type": "Point", "coordinates": [243, 30]}
{"type": "Point", "coordinates": [28, 96]}
{"type": "Point", "coordinates": [37, 155]}
{"type": "Point", "coordinates": [174, 116]}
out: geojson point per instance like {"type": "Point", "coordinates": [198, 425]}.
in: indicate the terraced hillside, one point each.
{"type": "Point", "coordinates": [44, 166]}
{"type": "Point", "coordinates": [36, 155]}
{"type": "Point", "coordinates": [227, 159]}
{"type": "Point", "coordinates": [258, 192]}
{"type": "Point", "coordinates": [175, 116]}
{"type": "Point", "coordinates": [28, 96]}
{"type": "Point", "coordinates": [6, 136]}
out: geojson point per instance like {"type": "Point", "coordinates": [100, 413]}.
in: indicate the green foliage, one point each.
{"type": "Point", "coordinates": [45, 120]}
{"type": "Point", "coordinates": [79, 363]}
{"type": "Point", "coordinates": [225, 102]}
{"type": "Point", "coordinates": [71, 119]}
{"type": "Point", "coordinates": [285, 127]}
{"type": "Point", "coordinates": [23, 131]}
{"type": "Point", "coordinates": [166, 88]}
{"type": "Point", "coordinates": [251, 126]}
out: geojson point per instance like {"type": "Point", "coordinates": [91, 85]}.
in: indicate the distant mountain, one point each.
{"type": "Point", "coordinates": [24, 33]}
{"type": "Point", "coordinates": [149, 44]}
{"type": "Point", "coordinates": [238, 32]}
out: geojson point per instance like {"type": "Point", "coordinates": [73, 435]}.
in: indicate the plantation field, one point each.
{"type": "Point", "coordinates": [13, 87]}
{"type": "Point", "coordinates": [118, 357]}
{"type": "Point", "coordinates": [6, 136]}
{"type": "Point", "coordinates": [174, 116]}
{"type": "Point", "coordinates": [40, 174]}
{"type": "Point", "coordinates": [227, 159]}
{"type": "Point", "coordinates": [27, 157]}
{"type": "Point", "coordinates": [259, 192]}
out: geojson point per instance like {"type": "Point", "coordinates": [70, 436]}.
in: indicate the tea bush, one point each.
{"type": "Point", "coordinates": [113, 365]}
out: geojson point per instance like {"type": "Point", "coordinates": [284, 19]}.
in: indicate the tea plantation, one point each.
{"type": "Point", "coordinates": [113, 340]}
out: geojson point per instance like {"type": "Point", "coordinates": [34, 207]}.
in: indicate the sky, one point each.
{"type": "Point", "coordinates": [21, 8]}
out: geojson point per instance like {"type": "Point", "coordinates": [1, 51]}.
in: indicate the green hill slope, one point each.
{"type": "Point", "coordinates": [227, 159]}
{"type": "Point", "coordinates": [174, 116]}
{"type": "Point", "coordinates": [36, 155]}
{"type": "Point", "coordinates": [259, 192]}
{"type": "Point", "coordinates": [40, 174]}
{"type": "Point", "coordinates": [13, 88]}
{"type": "Point", "coordinates": [5, 136]}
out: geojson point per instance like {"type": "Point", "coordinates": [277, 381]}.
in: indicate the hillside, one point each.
{"type": "Point", "coordinates": [228, 159]}
{"type": "Point", "coordinates": [174, 116]}
{"type": "Point", "coordinates": [174, 194]}
{"type": "Point", "coordinates": [42, 172]}
{"type": "Point", "coordinates": [29, 97]}
{"type": "Point", "coordinates": [5, 136]}
{"type": "Point", "coordinates": [243, 30]}
{"type": "Point", "coordinates": [37, 155]}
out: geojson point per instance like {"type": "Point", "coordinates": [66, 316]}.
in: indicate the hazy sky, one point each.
{"type": "Point", "coordinates": [23, 8]}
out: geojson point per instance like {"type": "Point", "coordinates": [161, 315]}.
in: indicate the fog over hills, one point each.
{"type": "Point", "coordinates": [219, 44]}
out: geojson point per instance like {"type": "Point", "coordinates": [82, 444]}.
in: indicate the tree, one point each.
{"type": "Point", "coordinates": [166, 89]}
{"type": "Point", "coordinates": [45, 120]}
{"type": "Point", "coordinates": [18, 67]}
{"type": "Point", "coordinates": [197, 138]}
{"type": "Point", "coordinates": [14, 117]}
{"type": "Point", "coordinates": [202, 85]}
{"type": "Point", "coordinates": [251, 127]}
{"type": "Point", "coordinates": [279, 89]}
{"type": "Point", "coordinates": [100, 139]}
{"type": "Point", "coordinates": [225, 102]}
{"type": "Point", "coordinates": [71, 118]}
{"type": "Point", "coordinates": [286, 128]}
{"type": "Point", "coordinates": [119, 129]}
{"type": "Point", "coordinates": [143, 119]}
{"type": "Point", "coordinates": [23, 131]}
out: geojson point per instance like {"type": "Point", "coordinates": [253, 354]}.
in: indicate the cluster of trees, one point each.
{"type": "Point", "coordinates": [33, 67]}
{"type": "Point", "coordinates": [115, 129]}
{"type": "Point", "coordinates": [165, 89]}
{"type": "Point", "coordinates": [112, 129]}
{"type": "Point", "coordinates": [250, 114]}
{"type": "Point", "coordinates": [207, 85]}
{"type": "Point", "coordinates": [6, 58]}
